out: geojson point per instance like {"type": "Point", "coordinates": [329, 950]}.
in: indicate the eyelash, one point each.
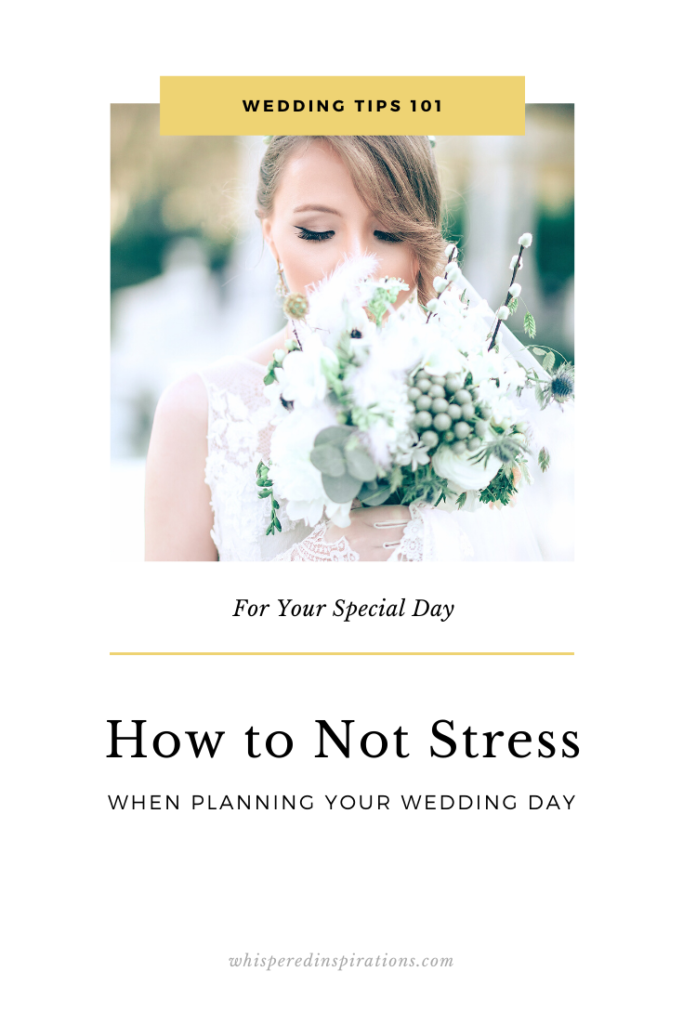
{"type": "Point", "coordinates": [322, 236]}
{"type": "Point", "coordinates": [314, 236]}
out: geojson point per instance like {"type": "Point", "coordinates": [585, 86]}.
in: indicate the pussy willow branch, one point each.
{"type": "Point", "coordinates": [448, 284]}
{"type": "Point", "coordinates": [507, 301]}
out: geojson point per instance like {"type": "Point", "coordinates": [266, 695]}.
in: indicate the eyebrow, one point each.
{"type": "Point", "coordinates": [319, 209]}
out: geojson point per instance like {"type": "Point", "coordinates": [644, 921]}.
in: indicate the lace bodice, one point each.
{"type": "Point", "coordinates": [239, 432]}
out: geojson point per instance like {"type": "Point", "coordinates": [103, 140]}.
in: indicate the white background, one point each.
{"type": "Point", "coordinates": [566, 915]}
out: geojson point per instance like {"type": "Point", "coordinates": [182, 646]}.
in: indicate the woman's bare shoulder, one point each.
{"type": "Point", "coordinates": [184, 402]}
{"type": "Point", "coordinates": [178, 516]}
{"type": "Point", "coordinates": [263, 353]}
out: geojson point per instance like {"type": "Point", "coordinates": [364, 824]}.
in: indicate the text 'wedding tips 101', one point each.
{"type": "Point", "coordinates": [342, 105]}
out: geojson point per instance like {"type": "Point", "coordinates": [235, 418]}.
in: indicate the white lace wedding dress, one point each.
{"type": "Point", "coordinates": [239, 432]}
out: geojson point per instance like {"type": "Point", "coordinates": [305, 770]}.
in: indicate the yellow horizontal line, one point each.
{"type": "Point", "coordinates": [344, 654]}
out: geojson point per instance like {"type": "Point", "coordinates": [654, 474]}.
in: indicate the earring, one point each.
{"type": "Point", "coordinates": [281, 288]}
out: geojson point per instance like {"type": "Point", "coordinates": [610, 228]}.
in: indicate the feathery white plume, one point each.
{"type": "Point", "coordinates": [340, 291]}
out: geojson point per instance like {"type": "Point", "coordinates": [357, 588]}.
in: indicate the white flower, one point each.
{"type": "Point", "coordinates": [453, 272]}
{"type": "Point", "coordinates": [432, 306]}
{"type": "Point", "coordinates": [339, 514]}
{"type": "Point", "coordinates": [525, 240]}
{"type": "Point", "coordinates": [301, 378]}
{"type": "Point", "coordinates": [380, 439]}
{"type": "Point", "coordinates": [459, 470]}
{"type": "Point", "coordinates": [336, 303]}
{"type": "Point", "coordinates": [451, 251]}
{"type": "Point", "coordinates": [504, 412]}
{"type": "Point", "coordinates": [513, 262]}
{"type": "Point", "coordinates": [515, 290]}
{"type": "Point", "coordinates": [294, 476]}
{"type": "Point", "coordinates": [484, 366]}
{"type": "Point", "coordinates": [515, 375]}
{"type": "Point", "coordinates": [440, 283]}
{"type": "Point", "coordinates": [414, 457]}
{"type": "Point", "coordinates": [441, 356]}
{"type": "Point", "coordinates": [488, 391]}
{"type": "Point", "coordinates": [312, 512]}
{"type": "Point", "coordinates": [503, 313]}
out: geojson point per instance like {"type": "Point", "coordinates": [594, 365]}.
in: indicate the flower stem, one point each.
{"type": "Point", "coordinates": [507, 301]}
{"type": "Point", "coordinates": [296, 336]}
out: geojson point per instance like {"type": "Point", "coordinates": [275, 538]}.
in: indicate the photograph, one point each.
{"type": "Point", "coordinates": [342, 348]}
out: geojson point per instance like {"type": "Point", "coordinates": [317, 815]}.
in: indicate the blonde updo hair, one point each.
{"type": "Point", "coordinates": [397, 179]}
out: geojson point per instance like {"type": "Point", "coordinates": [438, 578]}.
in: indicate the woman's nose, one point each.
{"type": "Point", "coordinates": [356, 244]}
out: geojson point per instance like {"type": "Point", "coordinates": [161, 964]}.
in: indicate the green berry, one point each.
{"type": "Point", "coordinates": [455, 412]}
{"type": "Point", "coordinates": [449, 436]}
{"type": "Point", "coordinates": [423, 402]}
{"type": "Point", "coordinates": [459, 447]}
{"type": "Point", "coordinates": [423, 383]}
{"type": "Point", "coordinates": [429, 439]}
{"type": "Point", "coordinates": [437, 391]}
{"type": "Point", "coordinates": [462, 397]}
{"type": "Point", "coordinates": [414, 394]}
{"type": "Point", "coordinates": [439, 405]}
{"type": "Point", "coordinates": [452, 385]}
{"type": "Point", "coordinates": [473, 443]}
{"type": "Point", "coordinates": [420, 374]}
{"type": "Point", "coordinates": [480, 428]}
{"type": "Point", "coordinates": [467, 411]}
{"type": "Point", "coordinates": [442, 421]}
{"type": "Point", "coordinates": [424, 420]}
{"type": "Point", "coordinates": [461, 429]}
{"type": "Point", "coordinates": [439, 380]}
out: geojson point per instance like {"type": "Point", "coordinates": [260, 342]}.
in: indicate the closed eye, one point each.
{"type": "Point", "coordinates": [384, 236]}
{"type": "Point", "coordinates": [313, 236]}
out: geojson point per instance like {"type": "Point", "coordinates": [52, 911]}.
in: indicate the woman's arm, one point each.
{"type": "Point", "coordinates": [178, 515]}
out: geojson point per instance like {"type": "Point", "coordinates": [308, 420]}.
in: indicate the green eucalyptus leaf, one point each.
{"type": "Point", "coordinates": [328, 459]}
{"type": "Point", "coordinates": [549, 362]}
{"type": "Point", "coordinates": [341, 488]}
{"type": "Point", "coordinates": [359, 464]}
{"type": "Point", "coordinates": [374, 496]}
{"type": "Point", "coordinates": [333, 435]}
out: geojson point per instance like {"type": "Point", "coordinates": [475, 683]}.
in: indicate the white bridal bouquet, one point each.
{"type": "Point", "coordinates": [393, 406]}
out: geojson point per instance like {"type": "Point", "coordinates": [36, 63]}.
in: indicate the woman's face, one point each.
{"type": "Point", "coordinates": [318, 219]}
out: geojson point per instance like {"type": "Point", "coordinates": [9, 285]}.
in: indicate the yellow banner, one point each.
{"type": "Point", "coordinates": [307, 105]}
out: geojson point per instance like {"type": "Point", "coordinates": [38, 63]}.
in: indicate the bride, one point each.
{"type": "Point", "coordinates": [320, 200]}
